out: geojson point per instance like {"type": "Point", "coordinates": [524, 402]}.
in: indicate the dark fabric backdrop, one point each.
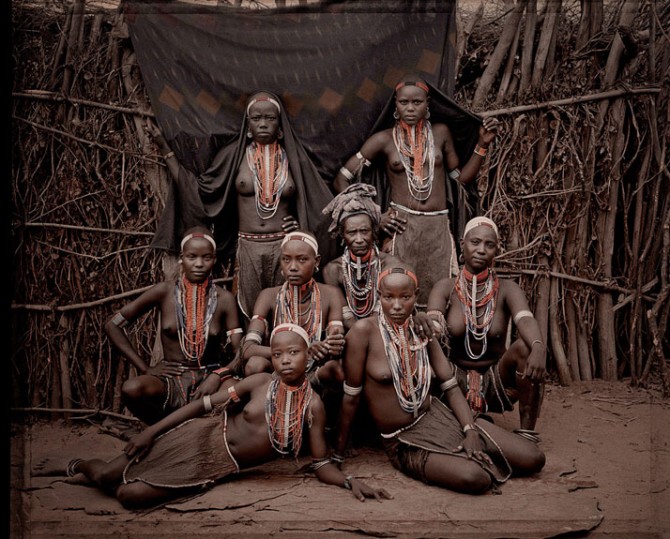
{"type": "Point", "coordinates": [334, 65]}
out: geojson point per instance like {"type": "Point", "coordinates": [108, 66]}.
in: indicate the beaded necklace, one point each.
{"type": "Point", "coordinates": [287, 308]}
{"type": "Point", "coordinates": [269, 166]}
{"type": "Point", "coordinates": [473, 295]}
{"type": "Point", "coordinates": [360, 281]}
{"type": "Point", "coordinates": [285, 411]}
{"type": "Point", "coordinates": [407, 357]}
{"type": "Point", "coordinates": [415, 145]}
{"type": "Point", "coordinates": [195, 305]}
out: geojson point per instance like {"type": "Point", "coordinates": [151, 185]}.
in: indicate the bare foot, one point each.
{"type": "Point", "coordinates": [53, 466]}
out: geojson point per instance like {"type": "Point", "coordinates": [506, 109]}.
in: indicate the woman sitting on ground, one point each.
{"type": "Point", "coordinates": [315, 307]}
{"type": "Point", "coordinates": [207, 440]}
{"type": "Point", "coordinates": [473, 312]}
{"type": "Point", "coordinates": [198, 318]}
{"type": "Point", "coordinates": [388, 364]}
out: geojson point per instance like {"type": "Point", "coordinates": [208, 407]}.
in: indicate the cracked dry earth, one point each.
{"type": "Point", "coordinates": [607, 475]}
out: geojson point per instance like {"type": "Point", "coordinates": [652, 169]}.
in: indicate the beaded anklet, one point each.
{"type": "Point", "coordinates": [70, 470]}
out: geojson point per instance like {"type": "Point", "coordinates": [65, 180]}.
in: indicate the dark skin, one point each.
{"type": "Point", "coordinates": [412, 104]}
{"type": "Point", "coordinates": [526, 355]}
{"type": "Point", "coordinates": [264, 126]}
{"type": "Point", "coordinates": [358, 234]}
{"type": "Point", "coordinates": [366, 365]}
{"type": "Point", "coordinates": [298, 263]}
{"type": "Point", "coordinates": [246, 433]}
{"type": "Point", "coordinates": [145, 393]}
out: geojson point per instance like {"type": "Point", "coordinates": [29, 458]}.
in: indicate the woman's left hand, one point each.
{"type": "Point", "coordinates": [473, 447]}
{"type": "Point", "coordinates": [289, 224]}
{"type": "Point", "coordinates": [488, 131]}
{"type": "Point", "coordinates": [208, 386]}
{"type": "Point", "coordinates": [362, 490]}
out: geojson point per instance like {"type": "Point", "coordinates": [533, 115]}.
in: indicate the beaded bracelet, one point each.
{"type": "Point", "coordinates": [480, 150]}
{"type": "Point", "coordinates": [468, 427]}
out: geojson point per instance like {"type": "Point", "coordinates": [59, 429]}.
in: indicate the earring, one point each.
{"type": "Point", "coordinates": [396, 115]}
{"type": "Point", "coordinates": [249, 135]}
{"type": "Point", "coordinates": [280, 135]}
{"type": "Point", "coordinates": [427, 114]}
{"type": "Point", "coordinates": [461, 259]}
{"type": "Point", "coordinates": [316, 269]}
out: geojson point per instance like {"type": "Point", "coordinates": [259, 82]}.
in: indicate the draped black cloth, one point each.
{"type": "Point", "coordinates": [334, 65]}
{"type": "Point", "coordinates": [462, 200]}
{"type": "Point", "coordinates": [211, 197]}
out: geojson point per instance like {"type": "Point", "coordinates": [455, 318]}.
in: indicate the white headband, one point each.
{"type": "Point", "coordinates": [263, 98]}
{"type": "Point", "coordinates": [301, 236]}
{"type": "Point", "coordinates": [198, 235]}
{"type": "Point", "coordinates": [293, 328]}
{"type": "Point", "coordinates": [480, 221]}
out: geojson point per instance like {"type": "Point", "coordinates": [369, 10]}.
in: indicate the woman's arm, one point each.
{"type": "Point", "coordinates": [528, 329]}
{"type": "Point", "coordinates": [371, 148]}
{"type": "Point", "coordinates": [114, 327]}
{"type": "Point", "coordinates": [355, 358]}
{"type": "Point", "coordinates": [140, 444]}
{"type": "Point", "coordinates": [324, 469]}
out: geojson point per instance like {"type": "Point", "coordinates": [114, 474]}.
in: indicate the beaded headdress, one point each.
{"type": "Point", "coordinates": [480, 221]}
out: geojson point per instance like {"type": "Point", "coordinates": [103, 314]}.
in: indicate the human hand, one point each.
{"type": "Point", "coordinates": [318, 351]}
{"type": "Point", "coordinates": [335, 344]}
{"type": "Point", "coordinates": [208, 386]}
{"type": "Point", "coordinates": [423, 325]}
{"type": "Point", "coordinates": [165, 369]}
{"type": "Point", "coordinates": [139, 445]}
{"type": "Point", "coordinates": [536, 364]}
{"type": "Point", "coordinates": [391, 223]}
{"type": "Point", "coordinates": [473, 447]}
{"type": "Point", "coordinates": [488, 131]}
{"type": "Point", "coordinates": [362, 490]}
{"type": "Point", "coordinates": [289, 224]}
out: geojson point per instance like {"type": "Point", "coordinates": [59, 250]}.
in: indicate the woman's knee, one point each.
{"type": "Point", "coordinates": [256, 364]}
{"type": "Point", "coordinates": [532, 462]}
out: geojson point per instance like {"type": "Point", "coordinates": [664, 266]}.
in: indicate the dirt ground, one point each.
{"type": "Point", "coordinates": [607, 475]}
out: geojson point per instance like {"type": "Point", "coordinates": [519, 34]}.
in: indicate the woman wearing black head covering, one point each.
{"type": "Point", "coordinates": [422, 148]}
{"type": "Point", "coordinates": [256, 189]}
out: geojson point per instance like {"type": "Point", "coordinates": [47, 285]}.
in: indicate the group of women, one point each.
{"type": "Point", "coordinates": [393, 323]}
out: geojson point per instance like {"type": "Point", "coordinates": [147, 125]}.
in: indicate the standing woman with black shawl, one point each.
{"type": "Point", "coordinates": [413, 160]}
{"type": "Point", "coordinates": [256, 189]}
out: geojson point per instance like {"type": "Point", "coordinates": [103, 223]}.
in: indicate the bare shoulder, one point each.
{"type": "Point", "coordinates": [331, 273]}
{"type": "Point", "coordinates": [362, 329]}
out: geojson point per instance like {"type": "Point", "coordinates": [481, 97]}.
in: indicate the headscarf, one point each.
{"type": "Point", "coordinates": [211, 198]}
{"type": "Point", "coordinates": [358, 198]}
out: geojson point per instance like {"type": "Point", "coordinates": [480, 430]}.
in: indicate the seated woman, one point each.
{"type": "Point", "coordinates": [207, 440]}
{"type": "Point", "coordinates": [197, 317]}
{"type": "Point", "coordinates": [472, 312]}
{"type": "Point", "coordinates": [315, 307]}
{"type": "Point", "coordinates": [256, 189]}
{"type": "Point", "coordinates": [355, 218]}
{"type": "Point", "coordinates": [413, 164]}
{"type": "Point", "coordinates": [390, 365]}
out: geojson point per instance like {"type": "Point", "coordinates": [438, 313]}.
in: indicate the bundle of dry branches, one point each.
{"type": "Point", "coordinates": [578, 183]}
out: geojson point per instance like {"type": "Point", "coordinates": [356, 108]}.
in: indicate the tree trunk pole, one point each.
{"type": "Point", "coordinates": [500, 52]}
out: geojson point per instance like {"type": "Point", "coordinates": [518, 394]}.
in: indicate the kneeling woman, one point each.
{"type": "Point", "coordinates": [390, 365]}
{"type": "Point", "coordinates": [184, 451]}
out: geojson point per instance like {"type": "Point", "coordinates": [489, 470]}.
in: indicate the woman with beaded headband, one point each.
{"type": "Point", "coordinates": [355, 218]}
{"type": "Point", "coordinates": [256, 189]}
{"type": "Point", "coordinates": [473, 312]}
{"type": "Point", "coordinates": [301, 300]}
{"type": "Point", "coordinates": [198, 320]}
{"type": "Point", "coordinates": [389, 365]}
{"type": "Point", "coordinates": [415, 166]}
{"type": "Point", "coordinates": [259, 418]}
